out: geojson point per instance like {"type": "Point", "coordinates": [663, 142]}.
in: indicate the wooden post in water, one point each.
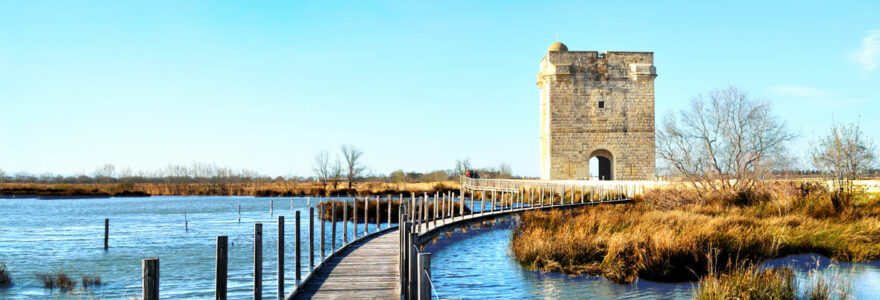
{"type": "Point", "coordinates": [258, 261]}
{"type": "Point", "coordinates": [239, 213]}
{"type": "Point", "coordinates": [344, 222]}
{"type": "Point", "coordinates": [311, 239]}
{"type": "Point", "coordinates": [378, 206]}
{"type": "Point", "coordinates": [355, 223]}
{"type": "Point", "coordinates": [473, 208]}
{"type": "Point", "coordinates": [389, 209]}
{"type": "Point", "coordinates": [222, 258]}
{"type": "Point", "coordinates": [435, 210]}
{"type": "Point", "coordinates": [323, 237]}
{"type": "Point", "coordinates": [150, 288]}
{"type": "Point", "coordinates": [281, 257]}
{"type": "Point", "coordinates": [483, 202]}
{"type": "Point", "coordinates": [412, 261]}
{"type": "Point", "coordinates": [297, 256]}
{"type": "Point", "coordinates": [424, 274]}
{"type": "Point", "coordinates": [405, 227]}
{"type": "Point", "coordinates": [185, 222]}
{"type": "Point", "coordinates": [366, 215]}
{"type": "Point", "coordinates": [271, 207]}
{"type": "Point", "coordinates": [106, 234]}
{"type": "Point", "coordinates": [333, 227]}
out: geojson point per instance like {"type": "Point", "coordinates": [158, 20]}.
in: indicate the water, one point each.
{"type": "Point", "coordinates": [476, 262]}
{"type": "Point", "coordinates": [46, 235]}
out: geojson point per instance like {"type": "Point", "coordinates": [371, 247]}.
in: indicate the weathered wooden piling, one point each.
{"type": "Point", "coordinates": [366, 215]}
{"type": "Point", "coordinates": [424, 276]}
{"type": "Point", "coordinates": [185, 222]}
{"type": "Point", "coordinates": [355, 221]}
{"type": "Point", "coordinates": [150, 289]}
{"type": "Point", "coordinates": [258, 261]}
{"type": "Point", "coordinates": [222, 258]}
{"type": "Point", "coordinates": [281, 257]}
{"type": "Point", "coordinates": [332, 226]}
{"type": "Point", "coordinates": [239, 213]}
{"type": "Point", "coordinates": [106, 234]}
{"type": "Point", "coordinates": [412, 262]}
{"type": "Point", "coordinates": [405, 228]}
{"type": "Point", "coordinates": [323, 237]}
{"type": "Point", "coordinates": [311, 238]}
{"type": "Point", "coordinates": [298, 255]}
{"type": "Point", "coordinates": [345, 222]}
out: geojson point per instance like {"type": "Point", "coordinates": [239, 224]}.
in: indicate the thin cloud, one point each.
{"type": "Point", "coordinates": [868, 56]}
{"type": "Point", "coordinates": [816, 97]}
{"type": "Point", "coordinates": [800, 91]}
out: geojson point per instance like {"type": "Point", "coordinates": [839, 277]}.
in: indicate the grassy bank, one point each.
{"type": "Point", "coordinates": [266, 189]}
{"type": "Point", "coordinates": [666, 235]}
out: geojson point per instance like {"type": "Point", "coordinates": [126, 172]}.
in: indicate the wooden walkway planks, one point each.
{"type": "Point", "coordinates": [366, 270]}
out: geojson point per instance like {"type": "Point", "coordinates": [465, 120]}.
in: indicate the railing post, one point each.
{"type": "Point", "coordinates": [366, 215]}
{"type": "Point", "coordinates": [355, 209]}
{"type": "Point", "coordinates": [332, 227]}
{"type": "Point", "coordinates": [344, 222]}
{"type": "Point", "coordinates": [297, 255]}
{"type": "Point", "coordinates": [413, 264]}
{"type": "Point", "coordinates": [323, 236]}
{"type": "Point", "coordinates": [405, 228]}
{"type": "Point", "coordinates": [389, 209]}
{"type": "Point", "coordinates": [482, 202]}
{"type": "Point", "coordinates": [222, 258]}
{"type": "Point", "coordinates": [311, 238]}
{"type": "Point", "coordinates": [258, 261]}
{"type": "Point", "coordinates": [542, 196]}
{"type": "Point", "coordinates": [424, 276]}
{"type": "Point", "coordinates": [378, 222]}
{"type": "Point", "coordinates": [150, 288]}
{"type": "Point", "coordinates": [281, 257]}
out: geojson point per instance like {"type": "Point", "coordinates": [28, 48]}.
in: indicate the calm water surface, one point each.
{"type": "Point", "coordinates": [47, 235]}
{"type": "Point", "coordinates": [472, 263]}
{"type": "Point", "coordinates": [476, 263]}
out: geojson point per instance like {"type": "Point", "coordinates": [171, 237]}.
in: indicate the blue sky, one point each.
{"type": "Point", "coordinates": [267, 85]}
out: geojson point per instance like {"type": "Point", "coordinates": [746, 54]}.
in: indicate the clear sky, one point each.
{"type": "Point", "coordinates": [415, 84]}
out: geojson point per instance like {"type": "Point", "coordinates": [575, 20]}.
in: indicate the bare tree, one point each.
{"type": "Point", "coordinates": [726, 141]}
{"type": "Point", "coordinates": [353, 163]}
{"type": "Point", "coordinates": [321, 167]}
{"type": "Point", "coordinates": [844, 154]}
{"type": "Point", "coordinates": [336, 172]}
{"type": "Point", "coordinates": [462, 165]}
{"type": "Point", "coordinates": [2, 176]}
{"type": "Point", "coordinates": [105, 173]}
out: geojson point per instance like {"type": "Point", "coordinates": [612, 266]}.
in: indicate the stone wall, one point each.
{"type": "Point", "coordinates": [573, 126]}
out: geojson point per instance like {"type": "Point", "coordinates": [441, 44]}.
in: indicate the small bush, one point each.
{"type": "Point", "coordinates": [5, 280]}
{"type": "Point", "coordinates": [56, 279]}
{"type": "Point", "coordinates": [91, 280]}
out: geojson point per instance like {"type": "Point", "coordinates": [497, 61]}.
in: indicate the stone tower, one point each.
{"type": "Point", "coordinates": [597, 105]}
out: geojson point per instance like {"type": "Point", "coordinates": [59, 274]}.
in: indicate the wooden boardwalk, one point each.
{"type": "Point", "coordinates": [367, 269]}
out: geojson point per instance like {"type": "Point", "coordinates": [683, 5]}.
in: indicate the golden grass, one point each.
{"type": "Point", "coordinates": [264, 189]}
{"type": "Point", "coordinates": [747, 282]}
{"type": "Point", "coordinates": [666, 234]}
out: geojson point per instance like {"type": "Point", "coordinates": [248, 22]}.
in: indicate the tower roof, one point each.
{"type": "Point", "coordinates": [557, 47]}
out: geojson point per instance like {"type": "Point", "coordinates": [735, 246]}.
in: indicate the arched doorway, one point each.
{"type": "Point", "coordinates": [601, 165]}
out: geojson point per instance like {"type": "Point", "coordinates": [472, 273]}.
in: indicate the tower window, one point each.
{"type": "Point", "coordinates": [601, 104]}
